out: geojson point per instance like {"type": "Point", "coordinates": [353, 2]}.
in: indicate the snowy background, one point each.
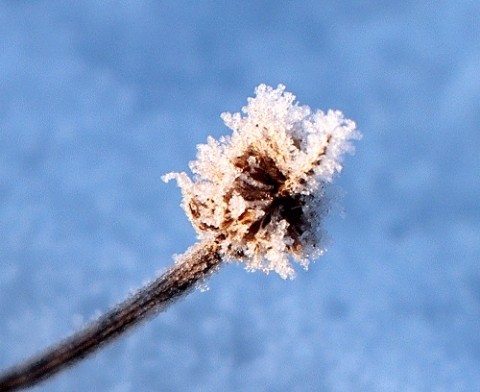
{"type": "Point", "coordinates": [98, 99]}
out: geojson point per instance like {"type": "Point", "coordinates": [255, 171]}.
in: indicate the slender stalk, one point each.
{"type": "Point", "coordinates": [194, 266]}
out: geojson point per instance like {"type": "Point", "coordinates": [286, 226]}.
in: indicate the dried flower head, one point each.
{"type": "Point", "coordinates": [260, 193]}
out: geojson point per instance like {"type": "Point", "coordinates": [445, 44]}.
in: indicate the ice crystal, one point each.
{"type": "Point", "coordinates": [260, 193]}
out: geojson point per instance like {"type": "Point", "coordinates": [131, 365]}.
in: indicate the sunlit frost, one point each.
{"type": "Point", "coordinates": [260, 193]}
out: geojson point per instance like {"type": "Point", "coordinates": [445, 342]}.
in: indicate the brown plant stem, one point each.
{"type": "Point", "coordinates": [193, 267]}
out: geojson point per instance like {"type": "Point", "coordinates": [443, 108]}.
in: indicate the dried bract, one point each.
{"type": "Point", "coordinates": [260, 193]}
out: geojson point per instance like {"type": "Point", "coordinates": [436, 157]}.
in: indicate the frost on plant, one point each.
{"type": "Point", "coordinates": [260, 193]}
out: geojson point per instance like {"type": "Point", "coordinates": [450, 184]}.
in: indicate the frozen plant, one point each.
{"type": "Point", "coordinates": [260, 193]}
{"type": "Point", "coordinates": [257, 196]}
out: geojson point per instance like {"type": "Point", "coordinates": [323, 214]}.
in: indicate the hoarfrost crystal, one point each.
{"type": "Point", "coordinates": [260, 193]}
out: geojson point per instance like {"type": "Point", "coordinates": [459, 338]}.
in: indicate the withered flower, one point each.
{"type": "Point", "coordinates": [260, 193]}
{"type": "Point", "coordinates": [258, 196]}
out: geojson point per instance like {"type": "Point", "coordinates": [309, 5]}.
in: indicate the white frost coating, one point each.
{"type": "Point", "coordinates": [260, 193]}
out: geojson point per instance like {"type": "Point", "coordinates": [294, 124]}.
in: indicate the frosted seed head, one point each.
{"type": "Point", "coordinates": [260, 193]}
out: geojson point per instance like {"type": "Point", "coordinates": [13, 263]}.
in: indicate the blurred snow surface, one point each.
{"type": "Point", "coordinates": [99, 99]}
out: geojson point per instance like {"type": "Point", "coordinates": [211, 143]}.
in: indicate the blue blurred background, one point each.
{"type": "Point", "coordinates": [98, 99]}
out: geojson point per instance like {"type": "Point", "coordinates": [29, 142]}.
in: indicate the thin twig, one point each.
{"type": "Point", "coordinates": [193, 267]}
